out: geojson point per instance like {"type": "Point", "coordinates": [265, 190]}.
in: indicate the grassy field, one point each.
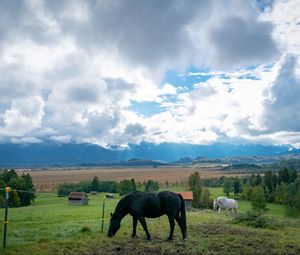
{"type": "Point", "coordinates": [51, 226]}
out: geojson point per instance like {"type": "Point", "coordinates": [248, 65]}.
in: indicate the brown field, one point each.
{"type": "Point", "coordinates": [47, 179]}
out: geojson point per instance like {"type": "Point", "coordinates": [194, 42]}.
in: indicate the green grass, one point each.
{"type": "Point", "coordinates": [272, 209]}
{"type": "Point", "coordinates": [51, 226]}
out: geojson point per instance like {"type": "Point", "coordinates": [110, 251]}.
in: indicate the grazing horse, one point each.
{"type": "Point", "coordinates": [150, 205]}
{"type": "Point", "coordinates": [227, 204]}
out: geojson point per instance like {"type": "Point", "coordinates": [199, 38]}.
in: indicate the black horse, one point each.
{"type": "Point", "coordinates": [151, 205]}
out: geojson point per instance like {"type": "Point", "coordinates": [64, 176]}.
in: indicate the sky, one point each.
{"type": "Point", "coordinates": [113, 72]}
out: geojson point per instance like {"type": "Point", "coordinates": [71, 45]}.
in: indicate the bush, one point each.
{"type": "Point", "coordinates": [85, 229]}
{"type": "Point", "coordinates": [256, 219]}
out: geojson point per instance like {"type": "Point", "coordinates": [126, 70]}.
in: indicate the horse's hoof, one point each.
{"type": "Point", "coordinates": [134, 236]}
{"type": "Point", "coordinates": [170, 239]}
{"type": "Point", "coordinates": [148, 238]}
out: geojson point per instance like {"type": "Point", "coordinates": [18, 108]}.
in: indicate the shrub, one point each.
{"type": "Point", "coordinates": [85, 229]}
{"type": "Point", "coordinates": [255, 219]}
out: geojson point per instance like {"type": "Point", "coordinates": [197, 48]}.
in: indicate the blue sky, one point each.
{"type": "Point", "coordinates": [119, 72]}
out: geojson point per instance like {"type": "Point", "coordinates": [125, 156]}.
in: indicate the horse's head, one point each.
{"type": "Point", "coordinates": [216, 205]}
{"type": "Point", "coordinates": [114, 224]}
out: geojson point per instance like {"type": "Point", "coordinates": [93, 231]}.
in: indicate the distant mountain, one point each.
{"type": "Point", "coordinates": [45, 154]}
{"type": "Point", "coordinates": [56, 154]}
{"type": "Point", "coordinates": [173, 151]}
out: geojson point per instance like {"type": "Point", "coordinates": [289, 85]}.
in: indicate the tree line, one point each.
{"type": "Point", "coordinates": [123, 187]}
{"type": "Point", "coordinates": [10, 178]}
{"type": "Point", "coordinates": [282, 188]}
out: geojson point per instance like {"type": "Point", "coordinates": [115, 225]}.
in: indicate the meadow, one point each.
{"type": "Point", "coordinates": [51, 226]}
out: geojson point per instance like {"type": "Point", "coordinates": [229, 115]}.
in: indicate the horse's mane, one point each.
{"type": "Point", "coordinates": [123, 204]}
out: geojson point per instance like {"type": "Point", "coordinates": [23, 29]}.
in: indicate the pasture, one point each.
{"type": "Point", "coordinates": [51, 226]}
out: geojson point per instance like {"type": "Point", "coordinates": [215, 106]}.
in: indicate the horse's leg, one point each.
{"type": "Point", "coordinates": [143, 222]}
{"type": "Point", "coordinates": [236, 212]}
{"type": "Point", "coordinates": [178, 219]}
{"type": "Point", "coordinates": [134, 224]}
{"type": "Point", "coordinates": [226, 212]}
{"type": "Point", "coordinates": [172, 225]}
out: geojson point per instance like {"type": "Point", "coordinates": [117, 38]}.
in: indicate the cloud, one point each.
{"type": "Point", "coordinates": [239, 42]}
{"type": "Point", "coordinates": [72, 70]}
{"type": "Point", "coordinates": [23, 116]}
{"type": "Point", "coordinates": [282, 106]}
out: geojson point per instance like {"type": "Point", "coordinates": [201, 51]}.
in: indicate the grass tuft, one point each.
{"type": "Point", "coordinates": [85, 229]}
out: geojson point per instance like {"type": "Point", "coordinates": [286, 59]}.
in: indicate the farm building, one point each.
{"type": "Point", "coordinates": [188, 198]}
{"type": "Point", "coordinates": [78, 198]}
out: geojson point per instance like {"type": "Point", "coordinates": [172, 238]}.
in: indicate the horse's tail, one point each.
{"type": "Point", "coordinates": [182, 213]}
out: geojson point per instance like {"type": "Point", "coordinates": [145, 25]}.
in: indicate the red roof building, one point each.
{"type": "Point", "coordinates": [188, 198]}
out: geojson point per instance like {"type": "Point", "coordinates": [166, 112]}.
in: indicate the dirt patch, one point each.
{"type": "Point", "coordinates": [141, 246]}
{"type": "Point", "coordinates": [205, 239]}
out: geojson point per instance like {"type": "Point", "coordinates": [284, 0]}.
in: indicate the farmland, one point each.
{"type": "Point", "coordinates": [51, 226]}
{"type": "Point", "coordinates": [51, 177]}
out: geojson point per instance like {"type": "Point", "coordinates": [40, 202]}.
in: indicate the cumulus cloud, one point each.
{"type": "Point", "coordinates": [70, 70]}
{"type": "Point", "coordinates": [23, 116]}
{"type": "Point", "coordinates": [282, 105]}
{"type": "Point", "coordinates": [238, 41]}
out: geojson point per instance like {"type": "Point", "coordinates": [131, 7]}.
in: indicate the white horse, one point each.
{"type": "Point", "coordinates": [227, 204]}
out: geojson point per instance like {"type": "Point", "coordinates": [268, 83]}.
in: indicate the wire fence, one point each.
{"type": "Point", "coordinates": [50, 213]}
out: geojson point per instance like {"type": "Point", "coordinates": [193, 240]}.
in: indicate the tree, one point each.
{"type": "Point", "coordinates": [237, 186]}
{"type": "Point", "coordinates": [281, 193]}
{"type": "Point", "coordinates": [167, 184]}
{"type": "Point", "coordinates": [284, 175]}
{"type": "Point", "coordinates": [196, 202]}
{"type": "Point", "coordinates": [227, 186]}
{"type": "Point", "coordinates": [206, 200]}
{"type": "Point", "coordinates": [127, 186]}
{"type": "Point", "coordinates": [29, 196]}
{"type": "Point", "coordinates": [7, 175]}
{"type": "Point", "coordinates": [95, 184]}
{"type": "Point", "coordinates": [247, 192]}
{"type": "Point", "coordinates": [194, 181]}
{"type": "Point", "coordinates": [195, 186]}
{"type": "Point", "coordinates": [292, 176]}
{"type": "Point", "coordinates": [258, 199]}
{"type": "Point", "coordinates": [258, 180]}
{"type": "Point", "coordinates": [151, 186]}
{"type": "Point", "coordinates": [14, 200]}
{"type": "Point", "coordinates": [252, 180]}
{"type": "Point", "coordinates": [293, 198]}
{"type": "Point", "coordinates": [268, 181]}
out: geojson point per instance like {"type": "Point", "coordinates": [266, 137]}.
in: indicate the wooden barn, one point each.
{"type": "Point", "coordinates": [188, 198]}
{"type": "Point", "coordinates": [78, 198]}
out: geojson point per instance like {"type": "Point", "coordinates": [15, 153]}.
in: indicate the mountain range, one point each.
{"type": "Point", "coordinates": [70, 154]}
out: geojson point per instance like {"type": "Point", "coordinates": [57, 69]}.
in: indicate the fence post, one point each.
{"type": "Point", "coordinates": [103, 208]}
{"type": "Point", "coordinates": [7, 190]}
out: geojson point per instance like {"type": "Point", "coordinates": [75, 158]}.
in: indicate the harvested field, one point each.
{"type": "Point", "coordinates": [161, 174]}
